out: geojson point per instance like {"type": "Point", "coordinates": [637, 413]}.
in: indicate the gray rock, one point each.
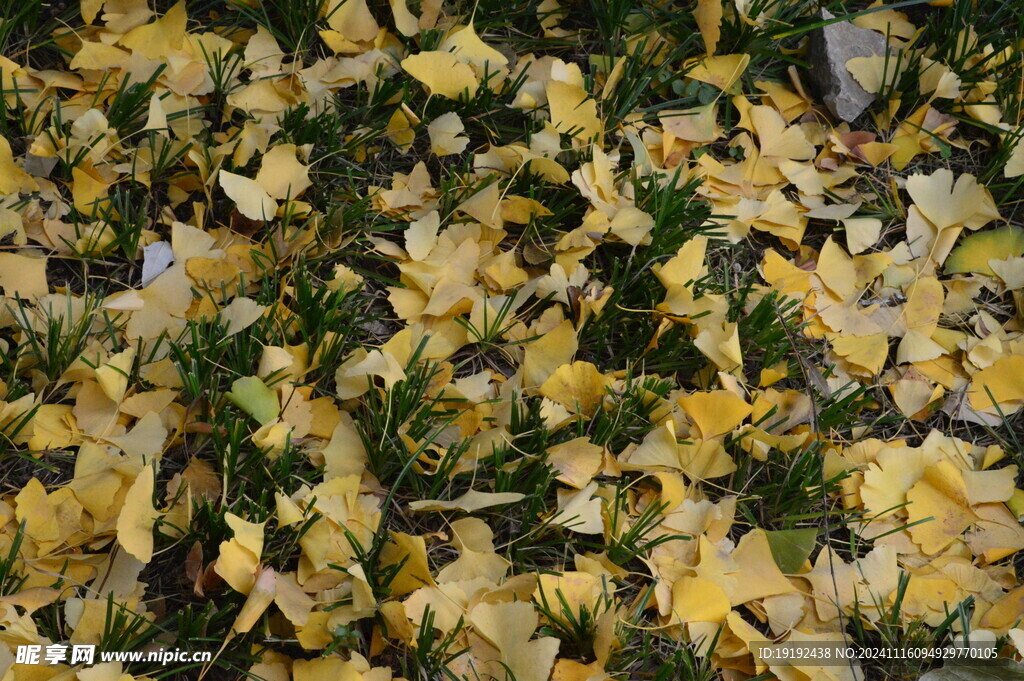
{"type": "Point", "coordinates": [830, 48]}
{"type": "Point", "coordinates": [38, 165]}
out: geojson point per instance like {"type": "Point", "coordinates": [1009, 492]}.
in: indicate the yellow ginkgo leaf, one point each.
{"type": "Point", "coordinates": [716, 412]}
{"type": "Point", "coordinates": [354, 376]}
{"type": "Point", "coordinates": [686, 267]}
{"type": "Point", "coordinates": [569, 594]}
{"type": "Point", "coordinates": [721, 344]}
{"type": "Point", "coordinates": [722, 71]}
{"type": "Point", "coordinates": [631, 225]}
{"type": "Point", "coordinates": [442, 73]}
{"type": "Point", "coordinates": [468, 47]}
{"type": "Point", "coordinates": [867, 352]}
{"type": "Point", "coordinates": [938, 510]}
{"type": "Point", "coordinates": [579, 387]}
{"type": "Point", "coordinates": [352, 19]}
{"type": "Point", "coordinates": [862, 233]}
{"type": "Point", "coordinates": [778, 139]}
{"type": "Point", "coordinates": [924, 305]}
{"type": "Point", "coordinates": [407, 554]}
{"type": "Point", "coordinates": [699, 124]}
{"type": "Point", "coordinates": [113, 376]}
{"type": "Point", "coordinates": [405, 21]}
{"type": "Point", "coordinates": [877, 72]}
{"type": "Point", "coordinates": [695, 599]}
{"type": "Point", "coordinates": [577, 461]}
{"type": "Point", "coordinates": [345, 453]}
{"type": "Point", "coordinates": [400, 129]}
{"type": "Point", "coordinates": [97, 55]}
{"type": "Point", "coordinates": [162, 37]}
{"type": "Point", "coordinates": [1000, 384]}
{"type": "Point", "coordinates": [88, 192]}
{"type": "Point", "coordinates": [659, 449]}
{"type": "Point", "coordinates": [157, 118]}
{"type": "Point", "coordinates": [21, 275]}
{"type": "Point", "coordinates": [546, 354]}
{"type": "Point", "coordinates": [281, 175]}
{"type": "Point", "coordinates": [709, 20]}
{"type": "Point", "coordinates": [572, 110]}
{"type": "Point", "coordinates": [13, 178]}
{"type": "Point", "coordinates": [886, 481]}
{"type": "Point", "coordinates": [705, 460]}
{"type": "Point", "coordinates": [33, 508]}
{"type": "Point", "coordinates": [421, 236]}
{"type": "Point", "coordinates": [521, 210]}
{"type": "Point", "coordinates": [945, 204]}
{"type": "Point", "coordinates": [90, 8]}
{"type": "Point", "coordinates": [1015, 163]}
{"type": "Point", "coordinates": [252, 200]}
{"type": "Point", "coordinates": [580, 510]}
{"type": "Point", "coordinates": [240, 314]}
{"type": "Point", "coordinates": [974, 251]}
{"type": "Point", "coordinates": [470, 501]}
{"type": "Point", "coordinates": [509, 627]}
{"type": "Point", "coordinates": [474, 540]}
{"type": "Point", "coordinates": [294, 603]}
{"type": "Point", "coordinates": [262, 594]}
{"type": "Point", "coordinates": [444, 134]}
{"type": "Point", "coordinates": [1005, 612]}
{"type": "Point", "coordinates": [137, 517]}
{"type": "Point", "coordinates": [239, 557]}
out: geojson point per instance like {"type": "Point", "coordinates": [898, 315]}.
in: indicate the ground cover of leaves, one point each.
{"type": "Point", "coordinates": [517, 340]}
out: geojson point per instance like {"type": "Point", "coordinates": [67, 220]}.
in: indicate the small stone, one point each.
{"type": "Point", "coordinates": [830, 48]}
{"type": "Point", "coordinates": [39, 166]}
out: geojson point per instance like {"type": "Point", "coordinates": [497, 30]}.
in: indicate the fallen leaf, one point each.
{"type": "Point", "coordinates": [137, 518]}
{"type": "Point", "coordinates": [442, 73]}
{"type": "Point", "coordinates": [254, 398]}
{"type": "Point", "coordinates": [470, 501]}
{"type": "Point", "coordinates": [252, 200]}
